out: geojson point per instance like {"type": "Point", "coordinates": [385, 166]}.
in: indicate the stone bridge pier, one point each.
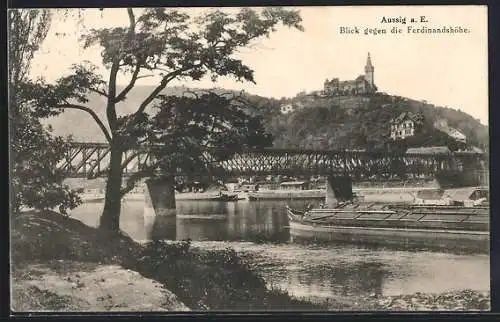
{"type": "Point", "coordinates": [159, 207]}
{"type": "Point", "coordinates": [338, 189]}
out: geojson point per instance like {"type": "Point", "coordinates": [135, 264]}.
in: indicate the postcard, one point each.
{"type": "Point", "coordinates": [328, 158]}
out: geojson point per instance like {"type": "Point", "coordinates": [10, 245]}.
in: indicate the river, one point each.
{"type": "Point", "coordinates": [258, 230]}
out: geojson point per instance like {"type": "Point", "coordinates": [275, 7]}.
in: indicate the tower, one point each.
{"type": "Point", "coordinates": [369, 70]}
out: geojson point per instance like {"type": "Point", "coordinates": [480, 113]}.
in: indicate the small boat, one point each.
{"type": "Point", "coordinates": [387, 225]}
{"type": "Point", "coordinates": [225, 197]}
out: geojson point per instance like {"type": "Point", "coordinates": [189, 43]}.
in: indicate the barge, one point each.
{"type": "Point", "coordinates": [413, 226]}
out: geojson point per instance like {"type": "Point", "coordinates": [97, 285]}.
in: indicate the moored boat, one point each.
{"type": "Point", "coordinates": [226, 197]}
{"type": "Point", "coordinates": [456, 228]}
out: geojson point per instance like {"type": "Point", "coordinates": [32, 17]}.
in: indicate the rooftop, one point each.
{"type": "Point", "coordinates": [403, 116]}
{"type": "Point", "coordinates": [430, 149]}
{"type": "Point", "coordinates": [293, 183]}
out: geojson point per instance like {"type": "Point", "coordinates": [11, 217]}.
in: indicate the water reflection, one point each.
{"type": "Point", "coordinates": [364, 278]}
{"type": "Point", "coordinates": [259, 230]}
{"type": "Point", "coordinates": [355, 278]}
{"type": "Point", "coordinates": [201, 220]}
{"type": "Point", "coordinates": [208, 220]}
{"type": "Point", "coordinates": [347, 272]}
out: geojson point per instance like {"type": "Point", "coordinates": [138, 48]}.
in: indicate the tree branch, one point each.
{"type": "Point", "coordinates": [131, 33]}
{"type": "Point", "coordinates": [145, 76]}
{"type": "Point", "coordinates": [131, 19]}
{"type": "Point", "coordinates": [148, 171]}
{"type": "Point", "coordinates": [160, 87]}
{"type": "Point", "coordinates": [130, 85]}
{"type": "Point", "coordinates": [92, 113]}
{"type": "Point", "coordinates": [110, 108]}
{"type": "Point", "coordinates": [102, 93]}
{"type": "Point", "coordinates": [134, 179]}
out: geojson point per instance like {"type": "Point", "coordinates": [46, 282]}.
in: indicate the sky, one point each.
{"type": "Point", "coordinates": [443, 69]}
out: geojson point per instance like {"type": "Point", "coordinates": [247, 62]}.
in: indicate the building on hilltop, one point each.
{"type": "Point", "coordinates": [443, 126]}
{"type": "Point", "coordinates": [405, 125]}
{"type": "Point", "coordinates": [287, 108]}
{"type": "Point", "coordinates": [457, 135]}
{"type": "Point", "coordinates": [363, 84]}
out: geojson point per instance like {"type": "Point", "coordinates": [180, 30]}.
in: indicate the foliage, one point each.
{"type": "Point", "coordinates": [36, 182]}
{"type": "Point", "coordinates": [197, 129]}
{"type": "Point", "coordinates": [27, 30]}
{"type": "Point", "coordinates": [171, 44]}
{"type": "Point", "coordinates": [188, 126]}
{"type": "Point", "coordinates": [34, 152]}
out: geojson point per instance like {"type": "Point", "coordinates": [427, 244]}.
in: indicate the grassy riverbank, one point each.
{"type": "Point", "coordinates": [60, 264]}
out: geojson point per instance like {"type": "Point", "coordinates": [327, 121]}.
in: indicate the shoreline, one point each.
{"type": "Point", "coordinates": [384, 194]}
{"type": "Point", "coordinates": [60, 264]}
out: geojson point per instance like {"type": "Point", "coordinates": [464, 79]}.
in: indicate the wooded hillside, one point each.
{"type": "Point", "coordinates": [352, 122]}
{"type": "Point", "coordinates": [364, 123]}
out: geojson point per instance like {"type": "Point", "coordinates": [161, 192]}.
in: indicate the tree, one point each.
{"type": "Point", "coordinates": [196, 131]}
{"type": "Point", "coordinates": [34, 153]}
{"type": "Point", "coordinates": [166, 43]}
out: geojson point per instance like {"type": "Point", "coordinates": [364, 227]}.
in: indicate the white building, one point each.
{"type": "Point", "coordinates": [443, 126]}
{"type": "Point", "coordinates": [403, 126]}
{"type": "Point", "coordinates": [287, 108]}
{"type": "Point", "coordinates": [457, 135]}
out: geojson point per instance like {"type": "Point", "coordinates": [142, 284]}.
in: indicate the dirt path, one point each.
{"type": "Point", "coordinates": [77, 286]}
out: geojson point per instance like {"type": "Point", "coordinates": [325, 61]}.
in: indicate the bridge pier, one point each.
{"type": "Point", "coordinates": [160, 207]}
{"type": "Point", "coordinates": [338, 189]}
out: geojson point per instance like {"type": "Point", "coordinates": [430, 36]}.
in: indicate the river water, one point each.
{"type": "Point", "coordinates": [258, 230]}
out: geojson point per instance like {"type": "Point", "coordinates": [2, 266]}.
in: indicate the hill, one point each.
{"type": "Point", "coordinates": [360, 122]}
{"type": "Point", "coordinates": [83, 128]}
{"type": "Point", "coordinates": [349, 122]}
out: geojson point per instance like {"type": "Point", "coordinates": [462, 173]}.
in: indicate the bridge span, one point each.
{"type": "Point", "coordinates": [91, 160]}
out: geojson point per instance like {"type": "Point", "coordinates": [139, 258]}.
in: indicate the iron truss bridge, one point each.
{"type": "Point", "coordinates": [91, 160]}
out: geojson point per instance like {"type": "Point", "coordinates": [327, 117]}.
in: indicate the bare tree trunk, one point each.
{"type": "Point", "coordinates": [110, 218]}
